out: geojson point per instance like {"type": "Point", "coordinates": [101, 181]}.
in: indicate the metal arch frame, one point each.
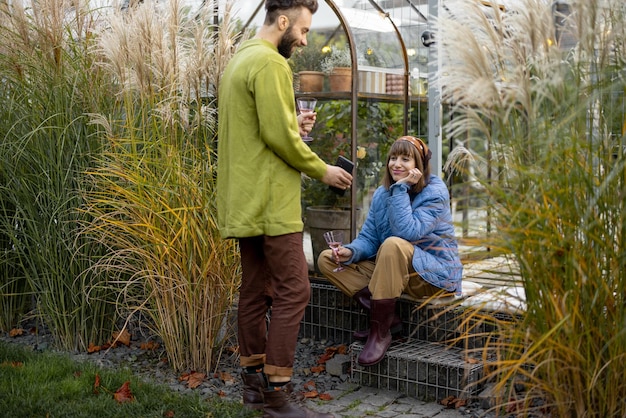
{"type": "Point", "coordinates": [435, 135]}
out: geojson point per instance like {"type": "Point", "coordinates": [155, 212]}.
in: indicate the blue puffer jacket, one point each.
{"type": "Point", "coordinates": [426, 222]}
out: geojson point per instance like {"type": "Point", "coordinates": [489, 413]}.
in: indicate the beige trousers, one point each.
{"type": "Point", "coordinates": [391, 274]}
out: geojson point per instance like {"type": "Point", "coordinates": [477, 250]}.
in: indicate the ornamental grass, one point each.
{"type": "Point", "coordinates": [107, 173]}
{"type": "Point", "coordinates": [153, 188]}
{"type": "Point", "coordinates": [47, 142]}
{"type": "Point", "coordinates": [541, 88]}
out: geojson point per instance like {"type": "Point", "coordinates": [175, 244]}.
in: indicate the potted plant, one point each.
{"type": "Point", "coordinates": [306, 64]}
{"type": "Point", "coordinates": [338, 66]}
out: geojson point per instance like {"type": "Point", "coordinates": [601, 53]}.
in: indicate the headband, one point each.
{"type": "Point", "coordinates": [420, 145]}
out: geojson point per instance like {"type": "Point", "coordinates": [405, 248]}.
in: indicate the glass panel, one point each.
{"type": "Point", "coordinates": [380, 109]}
{"type": "Point", "coordinates": [253, 12]}
{"type": "Point", "coordinates": [377, 43]}
{"type": "Point", "coordinates": [379, 123]}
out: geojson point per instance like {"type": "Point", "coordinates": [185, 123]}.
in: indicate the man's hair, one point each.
{"type": "Point", "coordinates": [275, 8]}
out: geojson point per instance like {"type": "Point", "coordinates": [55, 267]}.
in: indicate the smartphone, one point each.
{"type": "Point", "coordinates": [347, 165]}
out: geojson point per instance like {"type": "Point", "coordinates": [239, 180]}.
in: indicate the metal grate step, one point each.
{"type": "Point", "coordinates": [420, 369]}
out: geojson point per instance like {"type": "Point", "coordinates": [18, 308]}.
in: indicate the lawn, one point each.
{"type": "Point", "coordinates": [44, 384]}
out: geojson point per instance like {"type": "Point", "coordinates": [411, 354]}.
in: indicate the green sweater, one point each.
{"type": "Point", "coordinates": [260, 152]}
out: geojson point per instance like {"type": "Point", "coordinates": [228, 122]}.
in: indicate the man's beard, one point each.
{"type": "Point", "coordinates": [285, 47]}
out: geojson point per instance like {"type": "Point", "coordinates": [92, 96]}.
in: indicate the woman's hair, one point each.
{"type": "Point", "coordinates": [275, 8]}
{"type": "Point", "coordinates": [411, 147]}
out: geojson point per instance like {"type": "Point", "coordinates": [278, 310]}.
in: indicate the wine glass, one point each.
{"type": "Point", "coordinates": [334, 239]}
{"type": "Point", "coordinates": [307, 105]}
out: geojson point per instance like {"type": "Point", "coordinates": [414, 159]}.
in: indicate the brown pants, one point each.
{"type": "Point", "coordinates": [391, 274]}
{"type": "Point", "coordinates": [274, 273]}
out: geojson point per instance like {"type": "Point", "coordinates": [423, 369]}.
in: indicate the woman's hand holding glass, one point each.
{"type": "Point", "coordinates": [343, 254]}
{"type": "Point", "coordinates": [334, 239]}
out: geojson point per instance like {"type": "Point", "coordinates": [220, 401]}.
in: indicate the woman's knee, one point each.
{"type": "Point", "coordinates": [393, 244]}
{"type": "Point", "coordinates": [325, 262]}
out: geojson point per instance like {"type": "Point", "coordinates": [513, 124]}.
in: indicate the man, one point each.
{"type": "Point", "coordinates": [260, 158]}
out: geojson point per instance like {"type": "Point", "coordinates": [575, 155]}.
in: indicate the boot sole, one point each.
{"type": "Point", "coordinates": [374, 362]}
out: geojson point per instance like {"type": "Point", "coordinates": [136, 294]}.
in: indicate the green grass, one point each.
{"type": "Point", "coordinates": [52, 385]}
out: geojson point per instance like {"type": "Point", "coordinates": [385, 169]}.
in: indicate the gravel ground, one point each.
{"type": "Point", "coordinates": [151, 364]}
{"type": "Point", "coordinates": [224, 381]}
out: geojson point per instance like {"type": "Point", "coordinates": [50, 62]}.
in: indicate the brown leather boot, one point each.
{"type": "Point", "coordinates": [282, 404]}
{"type": "Point", "coordinates": [363, 298]}
{"type": "Point", "coordinates": [379, 339]}
{"type": "Point", "coordinates": [253, 386]}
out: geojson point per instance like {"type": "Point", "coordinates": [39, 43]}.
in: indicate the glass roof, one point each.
{"type": "Point", "coordinates": [373, 25]}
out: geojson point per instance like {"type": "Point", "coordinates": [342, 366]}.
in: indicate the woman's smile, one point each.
{"type": "Point", "coordinates": [400, 166]}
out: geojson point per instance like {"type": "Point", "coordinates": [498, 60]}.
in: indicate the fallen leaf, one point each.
{"type": "Point", "coordinates": [459, 403]}
{"type": "Point", "coordinates": [472, 360]}
{"type": "Point", "coordinates": [226, 377]}
{"type": "Point", "coordinates": [330, 353]}
{"type": "Point", "coordinates": [221, 394]}
{"type": "Point", "coordinates": [447, 401]}
{"type": "Point", "coordinates": [123, 394]}
{"type": "Point", "coordinates": [122, 337]}
{"type": "Point", "coordinates": [342, 349]}
{"type": "Point", "coordinates": [195, 379]}
{"type": "Point", "coordinates": [309, 386]}
{"type": "Point", "coordinates": [168, 414]}
{"type": "Point", "coordinates": [93, 348]}
{"type": "Point", "coordinates": [13, 364]}
{"type": "Point", "coordinates": [78, 373]}
{"type": "Point", "coordinates": [325, 357]}
{"type": "Point", "coordinates": [96, 384]}
{"type": "Point", "coordinates": [16, 332]}
{"type": "Point", "coordinates": [318, 369]}
{"type": "Point", "coordinates": [311, 394]}
{"type": "Point", "coordinates": [149, 345]}
{"type": "Point", "coordinates": [326, 396]}
{"type": "Point", "coordinates": [452, 402]}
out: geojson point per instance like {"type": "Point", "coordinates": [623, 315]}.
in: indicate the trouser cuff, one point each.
{"type": "Point", "coordinates": [251, 361]}
{"type": "Point", "coordinates": [271, 370]}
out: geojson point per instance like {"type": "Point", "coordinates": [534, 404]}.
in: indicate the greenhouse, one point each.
{"type": "Point", "coordinates": [108, 183]}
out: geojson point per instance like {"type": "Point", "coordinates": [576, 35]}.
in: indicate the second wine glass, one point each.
{"type": "Point", "coordinates": [307, 105]}
{"type": "Point", "coordinates": [334, 239]}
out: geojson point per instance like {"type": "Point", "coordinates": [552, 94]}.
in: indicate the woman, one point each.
{"type": "Point", "coordinates": [406, 244]}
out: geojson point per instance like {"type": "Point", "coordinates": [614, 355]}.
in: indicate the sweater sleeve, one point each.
{"type": "Point", "coordinates": [276, 103]}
